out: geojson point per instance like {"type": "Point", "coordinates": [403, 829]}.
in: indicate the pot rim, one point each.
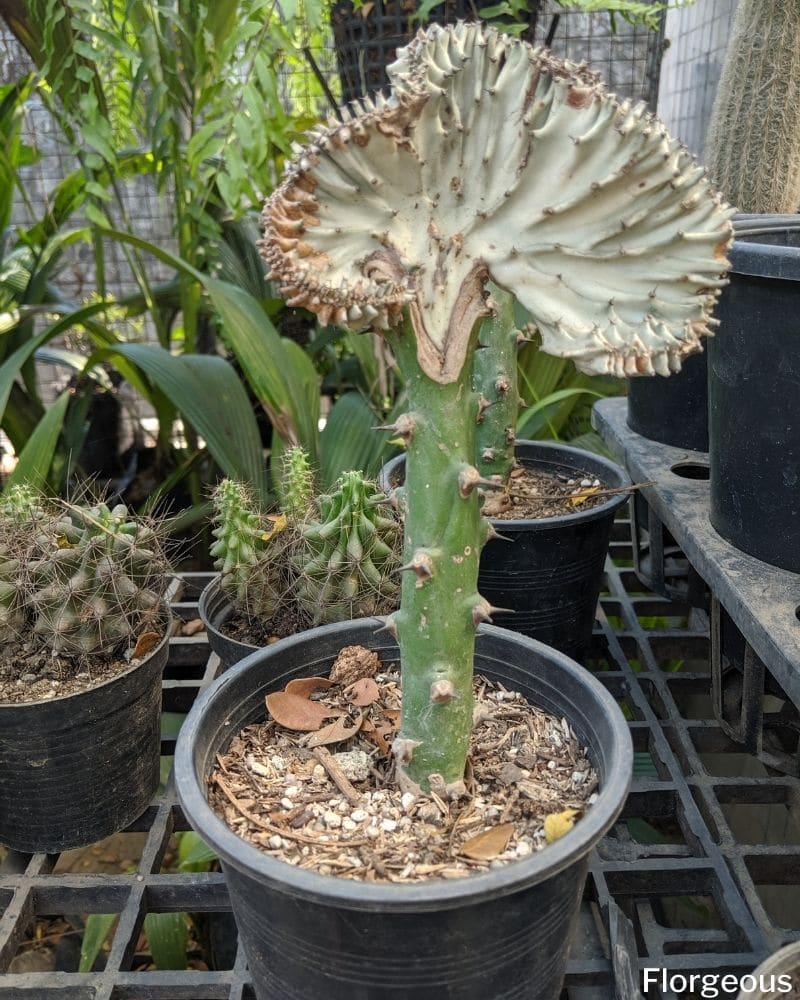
{"type": "Point", "coordinates": [435, 894]}
{"type": "Point", "coordinates": [159, 650]}
{"type": "Point", "coordinates": [604, 509]}
{"type": "Point", "coordinates": [211, 590]}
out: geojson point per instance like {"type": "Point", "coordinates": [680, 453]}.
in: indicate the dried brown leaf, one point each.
{"type": "Point", "coordinates": [145, 644]}
{"type": "Point", "coordinates": [336, 732]}
{"type": "Point", "coordinates": [362, 692]}
{"type": "Point", "coordinates": [192, 627]}
{"type": "Point", "coordinates": [306, 686]}
{"type": "Point", "coordinates": [297, 713]}
{"type": "Point", "coordinates": [488, 844]}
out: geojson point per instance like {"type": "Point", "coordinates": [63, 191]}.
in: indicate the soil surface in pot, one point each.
{"type": "Point", "coordinates": [261, 632]}
{"type": "Point", "coordinates": [534, 493]}
{"type": "Point", "coordinates": [29, 672]}
{"type": "Point", "coordinates": [314, 784]}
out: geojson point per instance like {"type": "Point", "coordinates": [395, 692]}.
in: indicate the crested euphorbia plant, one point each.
{"type": "Point", "coordinates": [489, 160]}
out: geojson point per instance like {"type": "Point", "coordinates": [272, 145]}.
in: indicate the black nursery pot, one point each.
{"type": "Point", "coordinates": [672, 410]}
{"type": "Point", "coordinates": [76, 769]}
{"type": "Point", "coordinates": [503, 934]}
{"type": "Point", "coordinates": [550, 571]}
{"type": "Point", "coordinates": [754, 373]}
{"type": "Point", "coordinates": [215, 609]}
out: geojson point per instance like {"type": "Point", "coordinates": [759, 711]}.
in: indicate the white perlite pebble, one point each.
{"type": "Point", "coordinates": [355, 764]}
{"type": "Point", "coordinates": [256, 767]}
{"type": "Point", "coordinates": [359, 815]}
{"type": "Point", "coordinates": [332, 820]}
{"type": "Point", "coordinates": [388, 825]}
{"type": "Point", "coordinates": [348, 825]}
{"type": "Point", "coordinates": [287, 803]}
{"type": "Point", "coordinates": [407, 800]}
{"type": "Point", "coordinates": [275, 842]}
{"type": "Point", "coordinates": [319, 775]}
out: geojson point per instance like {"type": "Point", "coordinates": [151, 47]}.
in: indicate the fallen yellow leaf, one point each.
{"type": "Point", "coordinates": [578, 498]}
{"type": "Point", "coordinates": [558, 824]}
{"type": "Point", "coordinates": [279, 522]}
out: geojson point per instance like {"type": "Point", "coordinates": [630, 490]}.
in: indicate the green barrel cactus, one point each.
{"type": "Point", "coordinates": [96, 581]}
{"type": "Point", "coordinates": [489, 160]}
{"type": "Point", "coordinates": [349, 554]}
{"type": "Point", "coordinates": [244, 553]}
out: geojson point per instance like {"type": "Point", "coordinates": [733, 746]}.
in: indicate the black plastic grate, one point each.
{"type": "Point", "coordinates": [700, 875]}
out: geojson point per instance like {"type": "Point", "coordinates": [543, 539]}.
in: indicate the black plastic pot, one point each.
{"type": "Point", "coordinates": [550, 572]}
{"type": "Point", "coordinates": [502, 934]}
{"type": "Point", "coordinates": [672, 410]}
{"type": "Point", "coordinates": [76, 769]}
{"type": "Point", "coordinates": [215, 609]}
{"type": "Point", "coordinates": [754, 374]}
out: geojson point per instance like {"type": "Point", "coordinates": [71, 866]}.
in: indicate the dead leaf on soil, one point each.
{"type": "Point", "coordinates": [336, 732]}
{"type": "Point", "coordinates": [556, 825]}
{"type": "Point", "coordinates": [292, 711]}
{"type": "Point", "coordinates": [145, 644]}
{"type": "Point", "coordinates": [578, 498]}
{"type": "Point", "coordinates": [362, 692]}
{"type": "Point", "coordinates": [306, 686]}
{"type": "Point", "coordinates": [489, 844]}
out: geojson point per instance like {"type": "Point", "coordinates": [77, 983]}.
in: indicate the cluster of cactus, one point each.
{"type": "Point", "coordinates": [489, 160]}
{"type": "Point", "coordinates": [349, 554]}
{"type": "Point", "coordinates": [245, 553]}
{"type": "Point", "coordinates": [83, 579]}
{"type": "Point", "coordinates": [329, 556]}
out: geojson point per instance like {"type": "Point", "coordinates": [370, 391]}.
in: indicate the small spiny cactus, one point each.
{"type": "Point", "coordinates": [350, 553]}
{"type": "Point", "coordinates": [20, 508]}
{"type": "Point", "coordinates": [242, 554]}
{"type": "Point", "coordinates": [297, 485]}
{"type": "Point", "coordinates": [97, 580]}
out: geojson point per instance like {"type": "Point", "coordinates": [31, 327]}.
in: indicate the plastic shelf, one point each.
{"type": "Point", "coordinates": [701, 874]}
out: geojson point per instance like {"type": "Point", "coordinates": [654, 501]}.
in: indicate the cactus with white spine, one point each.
{"type": "Point", "coordinates": [96, 581]}
{"type": "Point", "coordinates": [489, 160]}
{"type": "Point", "coordinates": [249, 575]}
{"type": "Point", "coordinates": [349, 554]}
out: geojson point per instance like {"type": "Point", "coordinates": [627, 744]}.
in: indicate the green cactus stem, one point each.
{"type": "Point", "coordinates": [753, 146]}
{"type": "Point", "coordinates": [496, 382]}
{"type": "Point", "coordinates": [488, 160]}
{"type": "Point", "coordinates": [241, 552]}
{"type": "Point", "coordinates": [440, 605]}
{"type": "Point", "coordinates": [349, 554]}
{"type": "Point", "coordinates": [99, 583]}
{"type": "Point", "coordinates": [12, 610]}
{"type": "Point", "coordinates": [297, 483]}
